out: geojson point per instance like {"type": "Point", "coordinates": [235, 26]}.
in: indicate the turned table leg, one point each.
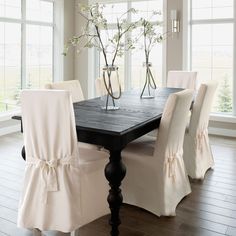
{"type": "Point", "coordinates": [115, 172]}
{"type": "Point", "coordinates": [23, 152]}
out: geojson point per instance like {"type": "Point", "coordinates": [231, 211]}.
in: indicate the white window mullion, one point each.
{"type": "Point", "coordinates": [212, 21]}
{"type": "Point", "coordinates": [127, 59]}
{"type": "Point", "coordinates": [53, 43]}
{"type": "Point", "coordinates": [11, 20]}
{"type": "Point", "coordinates": [23, 46]}
{"type": "Point", "coordinates": [234, 64]}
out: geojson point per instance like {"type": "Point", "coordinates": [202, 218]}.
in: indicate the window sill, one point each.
{"type": "Point", "coordinates": [8, 115]}
{"type": "Point", "coordinates": [223, 118]}
{"type": "Point", "coordinates": [213, 117]}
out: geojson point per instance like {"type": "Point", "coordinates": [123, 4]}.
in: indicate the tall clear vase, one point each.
{"type": "Point", "coordinates": [111, 88]}
{"type": "Point", "coordinates": [148, 90]}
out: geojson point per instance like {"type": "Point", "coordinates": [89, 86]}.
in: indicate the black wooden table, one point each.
{"type": "Point", "coordinates": [114, 130]}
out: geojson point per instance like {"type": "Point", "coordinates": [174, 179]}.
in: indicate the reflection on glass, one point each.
{"type": "Point", "coordinates": [39, 48]}
{"type": "Point", "coordinates": [10, 65]}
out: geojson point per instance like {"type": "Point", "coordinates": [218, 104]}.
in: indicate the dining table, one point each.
{"type": "Point", "coordinates": [114, 130]}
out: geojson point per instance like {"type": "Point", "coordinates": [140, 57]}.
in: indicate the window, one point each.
{"type": "Point", "coordinates": [131, 71]}
{"type": "Point", "coordinates": [26, 48]}
{"type": "Point", "coordinates": [212, 46]}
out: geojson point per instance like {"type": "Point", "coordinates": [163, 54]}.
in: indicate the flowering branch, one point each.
{"type": "Point", "coordinates": [95, 23]}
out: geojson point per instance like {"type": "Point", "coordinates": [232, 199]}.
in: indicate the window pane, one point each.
{"type": "Point", "coordinates": [114, 11]}
{"type": "Point", "coordinates": [145, 9]}
{"type": "Point", "coordinates": [10, 65]}
{"type": "Point", "coordinates": [213, 59]}
{"type": "Point", "coordinates": [38, 10]}
{"type": "Point", "coordinates": [137, 69]}
{"type": "Point", "coordinates": [208, 9]}
{"type": "Point", "coordinates": [10, 8]}
{"type": "Point", "coordinates": [134, 66]}
{"type": "Point", "coordinates": [39, 51]}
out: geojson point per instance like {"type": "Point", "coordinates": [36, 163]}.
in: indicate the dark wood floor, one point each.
{"type": "Point", "coordinates": [209, 210]}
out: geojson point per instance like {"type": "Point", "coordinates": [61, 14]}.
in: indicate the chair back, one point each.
{"type": "Point", "coordinates": [173, 123]}
{"type": "Point", "coordinates": [182, 79]}
{"type": "Point", "coordinates": [202, 108]}
{"type": "Point", "coordinates": [73, 86]}
{"type": "Point", "coordinates": [101, 89]}
{"type": "Point", "coordinates": [49, 124]}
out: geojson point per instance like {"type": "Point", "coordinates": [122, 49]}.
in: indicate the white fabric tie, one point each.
{"type": "Point", "coordinates": [201, 135]}
{"type": "Point", "coordinates": [171, 164]}
{"type": "Point", "coordinates": [48, 172]}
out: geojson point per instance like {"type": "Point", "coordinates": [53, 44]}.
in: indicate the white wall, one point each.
{"type": "Point", "coordinates": [69, 31]}
{"type": "Point", "coordinates": [174, 50]}
{"type": "Point", "coordinates": [81, 60]}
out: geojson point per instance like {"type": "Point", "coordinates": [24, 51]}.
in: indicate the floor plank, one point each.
{"type": "Point", "coordinates": [210, 209]}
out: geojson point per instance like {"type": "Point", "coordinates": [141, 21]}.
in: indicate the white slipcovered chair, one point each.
{"type": "Point", "coordinates": [156, 179]}
{"type": "Point", "coordinates": [197, 151]}
{"type": "Point", "coordinates": [101, 89]}
{"type": "Point", "coordinates": [64, 186]}
{"type": "Point", "coordinates": [182, 79]}
{"type": "Point", "coordinates": [73, 86]}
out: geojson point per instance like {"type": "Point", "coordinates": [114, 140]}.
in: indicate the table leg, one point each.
{"type": "Point", "coordinates": [115, 172]}
{"type": "Point", "coordinates": [23, 152]}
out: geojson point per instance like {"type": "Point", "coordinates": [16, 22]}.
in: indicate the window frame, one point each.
{"type": "Point", "coordinates": [94, 55]}
{"type": "Point", "coordinates": [187, 51]}
{"type": "Point", "coordinates": [56, 44]}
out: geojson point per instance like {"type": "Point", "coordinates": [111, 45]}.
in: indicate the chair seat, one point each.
{"type": "Point", "coordinates": [89, 146]}
{"type": "Point", "coordinates": [144, 146]}
{"type": "Point", "coordinates": [91, 160]}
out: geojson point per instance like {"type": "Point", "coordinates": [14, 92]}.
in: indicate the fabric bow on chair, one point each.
{"type": "Point", "coordinates": [172, 162]}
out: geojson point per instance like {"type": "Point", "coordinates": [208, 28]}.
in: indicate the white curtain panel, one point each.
{"type": "Point", "coordinates": [156, 179]}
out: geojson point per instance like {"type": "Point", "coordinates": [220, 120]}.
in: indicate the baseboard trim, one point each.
{"type": "Point", "coordinates": [10, 129]}
{"type": "Point", "coordinates": [222, 132]}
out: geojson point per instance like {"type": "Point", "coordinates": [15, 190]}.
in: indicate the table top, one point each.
{"type": "Point", "coordinates": [134, 118]}
{"type": "Point", "coordinates": [115, 129]}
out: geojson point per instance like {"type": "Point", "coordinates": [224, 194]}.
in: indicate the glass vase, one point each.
{"type": "Point", "coordinates": [149, 88]}
{"type": "Point", "coordinates": [111, 88]}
